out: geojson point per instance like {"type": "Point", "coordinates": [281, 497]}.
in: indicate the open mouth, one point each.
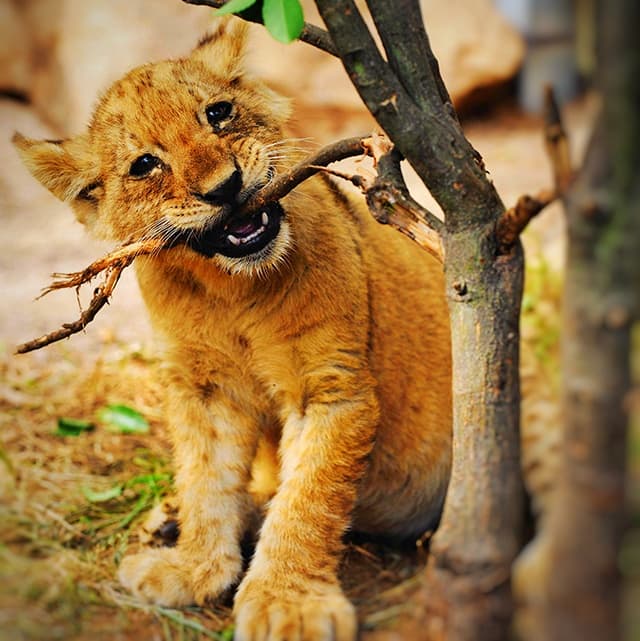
{"type": "Point", "coordinates": [238, 236]}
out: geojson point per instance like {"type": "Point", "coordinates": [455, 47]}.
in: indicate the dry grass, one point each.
{"type": "Point", "coordinates": [60, 549]}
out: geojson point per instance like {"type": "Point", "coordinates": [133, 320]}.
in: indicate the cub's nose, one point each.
{"type": "Point", "coordinates": [224, 193]}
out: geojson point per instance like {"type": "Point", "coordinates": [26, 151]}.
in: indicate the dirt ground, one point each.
{"type": "Point", "coordinates": [59, 546]}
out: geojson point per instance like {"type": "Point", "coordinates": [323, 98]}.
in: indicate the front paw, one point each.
{"type": "Point", "coordinates": [168, 577]}
{"type": "Point", "coordinates": [266, 611]}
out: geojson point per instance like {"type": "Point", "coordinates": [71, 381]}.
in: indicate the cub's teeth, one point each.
{"type": "Point", "coordinates": [265, 218]}
{"type": "Point", "coordinates": [232, 239]}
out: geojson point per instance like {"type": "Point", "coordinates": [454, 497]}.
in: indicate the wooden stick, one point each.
{"type": "Point", "coordinates": [116, 261]}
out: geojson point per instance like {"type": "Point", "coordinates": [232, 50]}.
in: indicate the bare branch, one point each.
{"type": "Point", "coordinates": [557, 143]}
{"type": "Point", "coordinates": [428, 135]}
{"type": "Point", "coordinates": [120, 256]}
{"type": "Point", "coordinates": [283, 184]}
{"type": "Point", "coordinates": [515, 219]}
{"type": "Point", "coordinates": [390, 206]}
{"type": "Point", "coordinates": [115, 262]}
{"type": "Point", "coordinates": [312, 35]}
{"type": "Point", "coordinates": [390, 202]}
{"type": "Point", "coordinates": [100, 298]}
{"type": "Point", "coordinates": [409, 53]}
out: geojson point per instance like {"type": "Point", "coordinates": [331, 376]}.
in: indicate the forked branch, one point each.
{"type": "Point", "coordinates": [389, 200]}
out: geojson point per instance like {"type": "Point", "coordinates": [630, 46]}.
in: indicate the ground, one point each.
{"type": "Point", "coordinates": [71, 505]}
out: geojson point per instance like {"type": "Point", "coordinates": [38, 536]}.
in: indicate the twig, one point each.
{"type": "Point", "coordinates": [390, 206]}
{"type": "Point", "coordinates": [115, 262]}
{"type": "Point", "coordinates": [125, 253]}
{"type": "Point", "coordinates": [305, 169]}
{"type": "Point", "coordinates": [100, 298]}
{"type": "Point", "coordinates": [515, 219]}
{"type": "Point", "coordinates": [557, 143]}
{"type": "Point", "coordinates": [387, 197]}
{"type": "Point", "coordinates": [312, 35]}
{"type": "Point", "coordinates": [389, 200]}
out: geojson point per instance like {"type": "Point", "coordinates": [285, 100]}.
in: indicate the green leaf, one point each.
{"type": "Point", "coordinates": [283, 19]}
{"type": "Point", "coordinates": [234, 6]}
{"type": "Point", "coordinates": [101, 497]}
{"type": "Point", "coordinates": [72, 427]}
{"type": "Point", "coordinates": [121, 418]}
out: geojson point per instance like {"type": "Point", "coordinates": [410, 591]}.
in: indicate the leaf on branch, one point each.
{"type": "Point", "coordinates": [284, 19]}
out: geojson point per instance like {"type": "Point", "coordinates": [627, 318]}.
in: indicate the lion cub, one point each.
{"type": "Point", "coordinates": [303, 338]}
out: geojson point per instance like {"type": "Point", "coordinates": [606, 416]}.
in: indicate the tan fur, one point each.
{"type": "Point", "coordinates": [329, 348]}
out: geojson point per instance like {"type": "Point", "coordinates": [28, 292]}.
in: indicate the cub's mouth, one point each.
{"type": "Point", "coordinates": [237, 236]}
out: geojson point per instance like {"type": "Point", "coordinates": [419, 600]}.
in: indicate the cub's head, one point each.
{"type": "Point", "coordinates": [172, 151]}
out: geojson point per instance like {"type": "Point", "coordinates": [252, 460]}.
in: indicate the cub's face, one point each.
{"type": "Point", "coordinates": [173, 151]}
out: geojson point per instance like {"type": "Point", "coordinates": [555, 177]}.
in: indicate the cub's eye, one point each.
{"type": "Point", "coordinates": [217, 112]}
{"type": "Point", "coordinates": [143, 165]}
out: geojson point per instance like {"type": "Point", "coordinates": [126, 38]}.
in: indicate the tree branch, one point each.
{"type": "Point", "coordinates": [115, 262]}
{"type": "Point", "coordinates": [406, 44]}
{"type": "Point", "coordinates": [515, 219]}
{"type": "Point", "coordinates": [99, 300]}
{"type": "Point", "coordinates": [389, 200]}
{"type": "Point", "coordinates": [390, 203]}
{"type": "Point", "coordinates": [312, 35]}
{"type": "Point", "coordinates": [557, 143]}
{"type": "Point", "coordinates": [283, 184]}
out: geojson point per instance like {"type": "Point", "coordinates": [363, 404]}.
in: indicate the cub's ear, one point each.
{"type": "Point", "coordinates": [64, 167]}
{"type": "Point", "coordinates": [67, 169]}
{"type": "Point", "coordinates": [223, 48]}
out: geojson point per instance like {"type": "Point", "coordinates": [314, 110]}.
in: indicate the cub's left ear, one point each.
{"type": "Point", "coordinates": [223, 49]}
{"type": "Point", "coordinates": [64, 167]}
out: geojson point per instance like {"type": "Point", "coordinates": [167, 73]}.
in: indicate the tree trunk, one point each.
{"type": "Point", "coordinates": [583, 592]}
{"type": "Point", "coordinates": [480, 534]}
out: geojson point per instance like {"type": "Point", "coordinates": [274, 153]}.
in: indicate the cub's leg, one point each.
{"type": "Point", "coordinates": [291, 590]}
{"type": "Point", "coordinates": [214, 444]}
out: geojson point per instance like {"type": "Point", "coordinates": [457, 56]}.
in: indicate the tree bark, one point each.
{"type": "Point", "coordinates": [467, 586]}
{"type": "Point", "coordinates": [583, 592]}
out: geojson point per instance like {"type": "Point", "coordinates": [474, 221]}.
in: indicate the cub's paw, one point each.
{"type": "Point", "coordinates": [167, 577]}
{"type": "Point", "coordinates": [314, 613]}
